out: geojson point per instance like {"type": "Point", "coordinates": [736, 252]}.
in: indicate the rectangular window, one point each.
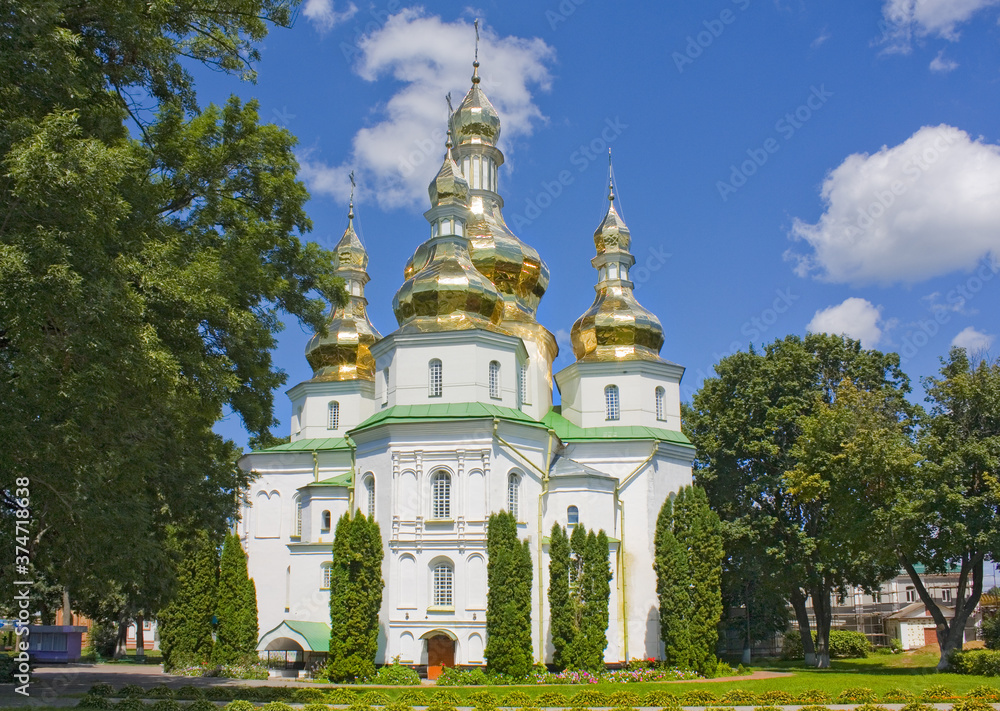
{"type": "Point", "coordinates": [911, 595]}
{"type": "Point", "coordinates": [945, 594]}
{"type": "Point", "coordinates": [443, 586]}
{"type": "Point", "coordinates": [434, 385]}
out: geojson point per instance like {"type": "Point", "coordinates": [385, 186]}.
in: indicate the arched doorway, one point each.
{"type": "Point", "coordinates": [440, 652]}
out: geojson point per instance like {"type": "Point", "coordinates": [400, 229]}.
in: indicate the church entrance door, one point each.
{"type": "Point", "coordinates": [440, 654]}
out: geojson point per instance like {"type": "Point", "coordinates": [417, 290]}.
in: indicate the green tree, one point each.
{"type": "Point", "coordinates": [745, 424]}
{"type": "Point", "coordinates": [948, 513]}
{"type": "Point", "coordinates": [671, 563]}
{"type": "Point", "coordinates": [356, 586]}
{"type": "Point", "coordinates": [236, 606]}
{"type": "Point", "coordinates": [147, 250]}
{"type": "Point", "coordinates": [562, 617]}
{"type": "Point", "coordinates": [508, 606]}
{"type": "Point", "coordinates": [185, 623]}
{"type": "Point", "coordinates": [596, 599]}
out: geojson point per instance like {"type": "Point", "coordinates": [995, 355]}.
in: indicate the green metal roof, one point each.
{"type": "Point", "coordinates": [446, 412]}
{"type": "Point", "coordinates": [339, 480]}
{"type": "Point", "coordinates": [317, 634]}
{"type": "Point", "coordinates": [315, 444]}
{"type": "Point", "coordinates": [568, 432]}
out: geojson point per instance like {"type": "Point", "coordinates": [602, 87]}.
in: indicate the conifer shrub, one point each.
{"type": "Point", "coordinates": [165, 705]}
{"type": "Point", "coordinates": [990, 694]}
{"type": "Point", "coordinates": [898, 696]}
{"type": "Point", "coordinates": [375, 698]}
{"type": "Point", "coordinates": [551, 698]}
{"type": "Point", "coordinates": [776, 697]}
{"type": "Point", "coordinates": [699, 697]}
{"type": "Point", "coordinates": [101, 689]}
{"type": "Point", "coordinates": [185, 623]}
{"type": "Point", "coordinates": [239, 705]}
{"type": "Point", "coordinates": [160, 691]}
{"type": "Point", "coordinates": [659, 697]}
{"type": "Point", "coordinates": [412, 696]}
{"type": "Point", "coordinates": [917, 706]}
{"type": "Point", "coordinates": [189, 692]}
{"type": "Point", "coordinates": [483, 698]}
{"type": "Point", "coordinates": [315, 707]}
{"type": "Point", "coordinates": [130, 703]}
{"type": "Point", "coordinates": [206, 705]}
{"type": "Point", "coordinates": [508, 600]}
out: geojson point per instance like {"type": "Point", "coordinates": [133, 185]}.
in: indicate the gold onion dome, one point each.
{"type": "Point", "coordinates": [443, 290]}
{"type": "Point", "coordinates": [344, 353]}
{"type": "Point", "coordinates": [475, 120]}
{"type": "Point", "coordinates": [616, 327]}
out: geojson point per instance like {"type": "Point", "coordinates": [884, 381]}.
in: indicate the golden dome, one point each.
{"type": "Point", "coordinates": [344, 353]}
{"type": "Point", "coordinates": [616, 327]}
{"type": "Point", "coordinates": [475, 120]}
{"type": "Point", "coordinates": [514, 267]}
{"type": "Point", "coordinates": [449, 185]}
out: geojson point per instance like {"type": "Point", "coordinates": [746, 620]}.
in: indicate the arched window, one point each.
{"type": "Point", "coordinates": [441, 495]}
{"type": "Point", "coordinates": [572, 516]}
{"type": "Point", "coordinates": [297, 519]}
{"type": "Point", "coordinates": [660, 397]}
{"type": "Point", "coordinates": [443, 588]}
{"type": "Point", "coordinates": [333, 416]}
{"type": "Point", "coordinates": [327, 571]}
{"type": "Point", "coordinates": [513, 486]}
{"type": "Point", "coordinates": [494, 379]}
{"type": "Point", "coordinates": [522, 385]}
{"type": "Point", "coordinates": [327, 520]}
{"type": "Point", "coordinates": [370, 493]}
{"type": "Point", "coordinates": [611, 402]}
{"type": "Point", "coordinates": [434, 378]}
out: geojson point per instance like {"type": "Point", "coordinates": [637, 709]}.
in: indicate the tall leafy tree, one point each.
{"type": "Point", "coordinates": [562, 617]}
{"type": "Point", "coordinates": [185, 623]}
{"type": "Point", "coordinates": [508, 606]}
{"type": "Point", "coordinates": [148, 247]}
{"type": "Point", "coordinates": [236, 606]}
{"type": "Point", "coordinates": [356, 586]}
{"type": "Point", "coordinates": [745, 424]}
{"type": "Point", "coordinates": [948, 513]}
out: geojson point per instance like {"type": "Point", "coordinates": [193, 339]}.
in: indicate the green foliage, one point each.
{"type": "Point", "coordinates": [814, 708]}
{"type": "Point", "coordinates": [160, 691]}
{"type": "Point", "coordinates": [814, 696]}
{"type": "Point", "coordinates": [190, 692]}
{"type": "Point", "coordinates": [688, 562]}
{"type": "Point", "coordinates": [740, 697]}
{"type": "Point", "coordinates": [131, 703]}
{"type": "Point", "coordinates": [276, 706]}
{"type": "Point", "coordinates": [972, 705]}
{"type": "Point", "coordinates": [776, 697]}
{"type": "Point", "coordinates": [483, 698]}
{"type": "Point", "coordinates": [659, 698]}
{"type": "Point", "coordinates": [341, 696]}
{"type": "Point", "coordinates": [147, 250]}
{"type": "Point", "coordinates": [898, 696]}
{"type": "Point", "coordinates": [846, 644]}
{"type": "Point", "coordinates": [991, 630]}
{"type": "Point", "coordinates": [374, 698]}
{"type": "Point", "coordinates": [589, 697]}
{"type": "Point", "coordinates": [412, 696]}
{"type": "Point", "coordinates": [396, 674]}
{"type": "Point", "coordinates": [93, 701]}
{"type": "Point", "coordinates": [240, 705]}
{"type": "Point", "coordinates": [185, 623]}
{"type": "Point", "coordinates": [101, 689]}
{"type": "Point", "coordinates": [508, 605]}
{"type": "Point", "coordinates": [206, 705]}
{"type": "Point", "coordinates": [165, 705]}
{"type": "Point", "coordinates": [308, 696]}
{"type": "Point", "coordinates": [315, 707]}
{"type": "Point", "coordinates": [917, 706]}
{"type": "Point", "coordinates": [624, 698]}
{"type": "Point", "coordinates": [397, 706]}
{"type": "Point", "coordinates": [131, 691]}
{"type": "Point", "coordinates": [446, 697]}
{"type": "Point", "coordinates": [562, 615]}
{"type": "Point", "coordinates": [355, 598]}
{"type": "Point", "coordinates": [439, 706]}
{"type": "Point", "coordinates": [857, 695]}
{"type": "Point", "coordinates": [984, 693]}
{"type": "Point", "coordinates": [551, 698]}
{"type": "Point", "coordinates": [515, 699]}
{"type": "Point", "coordinates": [870, 707]}
{"type": "Point", "coordinates": [699, 697]}
{"type": "Point", "coordinates": [236, 606]}
{"type": "Point", "coordinates": [937, 693]}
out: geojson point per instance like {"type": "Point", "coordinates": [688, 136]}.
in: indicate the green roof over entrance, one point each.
{"type": "Point", "coordinates": [446, 412]}
{"type": "Point", "coordinates": [316, 634]}
{"type": "Point", "coordinates": [315, 444]}
{"type": "Point", "coordinates": [568, 432]}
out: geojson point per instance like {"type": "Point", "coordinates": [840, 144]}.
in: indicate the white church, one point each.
{"type": "Point", "coordinates": [450, 417]}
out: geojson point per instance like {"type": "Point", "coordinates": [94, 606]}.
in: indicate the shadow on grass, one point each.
{"type": "Point", "coordinates": [912, 664]}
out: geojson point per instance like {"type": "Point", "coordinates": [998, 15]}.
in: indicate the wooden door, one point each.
{"type": "Point", "coordinates": [440, 654]}
{"type": "Point", "coordinates": [930, 635]}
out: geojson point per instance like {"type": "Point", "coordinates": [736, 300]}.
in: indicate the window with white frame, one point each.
{"type": "Point", "coordinates": [522, 385]}
{"type": "Point", "coordinates": [297, 519]}
{"type": "Point", "coordinates": [572, 516]}
{"type": "Point", "coordinates": [945, 594]}
{"type": "Point", "coordinates": [441, 495]}
{"type": "Point", "coordinates": [611, 403]}
{"type": "Point", "coordinates": [370, 493]}
{"type": "Point", "coordinates": [326, 522]}
{"type": "Point", "coordinates": [911, 595]}
{"type": "Point", "coordinates": [513, 490]}
{"type": "Point", "coordinates": [333, 416]}
{"type": "Point", "coordinates": [494, 379]}
{"type": "Point", "coordinates": [661, 395]}
{"type": "Point", "coordinates": [443, 585]}
{"type": "Point", "coordinates": [434, 378]}
{"type": "Point", "coordinates": [327, 572]}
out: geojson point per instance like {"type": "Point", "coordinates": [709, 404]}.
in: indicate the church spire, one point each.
{"type": "Point", "coordinates": [344, 352]}
{"type": "Point", "coordinates": [616, 327]}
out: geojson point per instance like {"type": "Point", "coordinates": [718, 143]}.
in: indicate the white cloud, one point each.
{"type": "Point", "coordinates": [941, 65]}
{"type": "Point", "coordinates": [396, 157]}
{"type": "Point", "coordinates": [856, 318]}
{"type": "Point", "coordinates": [972, 340]}
{"type": "Point", "coordinates": [906, 19]}
{"type": "Point", "coordinates": [821, 40]}
{"type": "Point", "coordinates": [924, 208]}
{"type": "Point", "coordinates": [324, 15]}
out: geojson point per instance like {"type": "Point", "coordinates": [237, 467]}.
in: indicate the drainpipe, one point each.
{"type": "Point", "coordinates": [541, 497]}
{"type": "Point", "coordinates": [620, 505]}
{"type": "Point", "coordinates": [354, 476]}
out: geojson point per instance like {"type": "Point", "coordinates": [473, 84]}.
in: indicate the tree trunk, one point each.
{"type": "Point", "coordinates": [67, 610]}
{"type": "Point", "coordinates": [120, 648]}
{"type": "Point", "coordinates": [140, 639]}
{"type": "Point", "coordinates": [823, 612]}
{"type": "Point", "coordinates": [798, 600]}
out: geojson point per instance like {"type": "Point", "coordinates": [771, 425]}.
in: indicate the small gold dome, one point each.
{"type": "Point", "coordinates": [344, 353]}
{"type": "Point", "coordinates": [475, 120]}
{"type": "Point", "coordinates": [514, 267]}
{"type": "Point", "coordinates": [616, 327]}
{"type": "Point", "coordinates": [449, 185]}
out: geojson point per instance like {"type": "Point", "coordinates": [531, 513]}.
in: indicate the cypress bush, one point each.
{"type": "Point", "coordinates": [561, 612]}
{"type": "Point", "coordinates": [185, 623]}
{"type": "Point", "coordinates": [236, 607]}
{"type": "Point", "coordinates": [508, 605]}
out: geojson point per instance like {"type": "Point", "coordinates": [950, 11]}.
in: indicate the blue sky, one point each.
{"type": "Point", "coordinates": [783, 165]}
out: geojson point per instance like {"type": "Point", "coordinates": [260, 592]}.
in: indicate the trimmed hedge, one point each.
{"type": "Point", "coordinates": [981, 662]}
